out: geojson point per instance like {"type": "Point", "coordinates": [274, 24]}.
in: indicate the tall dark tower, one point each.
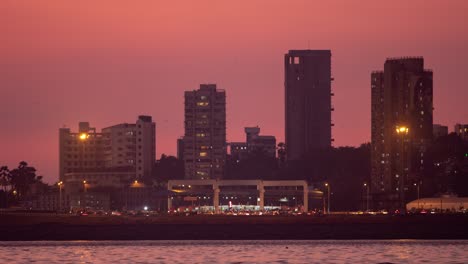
{"type": "Point", "coordinates": [308, 101]}
{"type": "Point", "coordinates": [401, 110]}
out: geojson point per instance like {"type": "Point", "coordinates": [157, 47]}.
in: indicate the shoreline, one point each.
{"type": "Point", "coordinates": [14, 227]}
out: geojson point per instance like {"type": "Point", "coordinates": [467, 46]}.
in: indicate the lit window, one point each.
{"type": "Point", "coordinates": [202, 103]}
{"type": "Point", "coordinates": [203, 154]}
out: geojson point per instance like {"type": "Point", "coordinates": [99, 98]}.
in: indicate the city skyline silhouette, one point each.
{"type": "Point", "coordinates": [64, 63]}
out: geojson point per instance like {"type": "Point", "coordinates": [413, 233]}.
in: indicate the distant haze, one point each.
{"type": "Point", "coordinates": [106, 62]}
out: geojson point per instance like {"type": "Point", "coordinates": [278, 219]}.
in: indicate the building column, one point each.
{"type": "Point", "coordinates": [169, 200]}
{"type": "Point", "coordinates": [305, 208]}
{"type": "Point", "coordinates": [261, 198]}
{"type": "Point", "coordinates": [216, 199]}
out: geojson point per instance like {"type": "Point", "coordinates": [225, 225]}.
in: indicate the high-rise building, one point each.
{"type": "Point", "coordinates": [308, 102]}
{"type": "Point", "coordinates": [205, 133]}
{"type": "Point", "coordinates": [120, 148]}
{"type": "Point", "coordinates": [462, 131]}
{"type": "Point", "coordinates": [439, 131]}
{"type": "Point", "coordinates": [401, 126]}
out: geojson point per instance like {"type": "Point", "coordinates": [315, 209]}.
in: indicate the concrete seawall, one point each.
{"type": "Point", "coordinates": [52, 227]}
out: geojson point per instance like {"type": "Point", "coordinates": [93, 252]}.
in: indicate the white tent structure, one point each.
{"type": "Point", "coordinates": [446, 203]}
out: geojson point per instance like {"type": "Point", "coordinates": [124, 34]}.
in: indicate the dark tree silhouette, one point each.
{"type": "Point", "coordinates": [168, 168]}
{"type": "Point", "coordinates": [447, 170]}
{"type": "Point", "coordinates": [258, 165]}
{"type": "Point", "coordinates": [281, 154]}
{"type": "Point", "coordinates": [22, 177]}
{"type": "Point", "coordinates": [4, 177]}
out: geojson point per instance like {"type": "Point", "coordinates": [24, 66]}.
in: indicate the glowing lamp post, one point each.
{"type": "Point", "coordinates": [402, 131]}
{"type": "Point", "coordinates": [417, 187]}
{"type": "Point", "coordinates": [60, 184]}
{"type": "Point", "coordinates": [328, 194]}
{"type": "Point", "coordinates": [84, 185]}
{"type": "Point", "coordinates": [84, 136]}
{"type": "Point", "coordinates": [367, 196]}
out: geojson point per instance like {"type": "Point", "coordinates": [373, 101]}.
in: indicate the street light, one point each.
{"type": "Point", "coordinates": [328, 200]}
{"type": "Point", "coordinates": [402, 131]}
{"type": "Point", "coordinates": [60, 184]}
{"type": "Point", "coordinates": [417, 186]}
{"type": "Point", "coordinates": [367, 196]}
{"type": "Point", "coordinates": [84, 185]}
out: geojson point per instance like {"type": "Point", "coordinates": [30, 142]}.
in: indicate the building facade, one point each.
{"type": "Point", "coordinates": [439, 131]}
{"type": "Point", "coordinates": [124, 147]}
{"type": "Point", "coordinates": [254, 143]}
{"type": "Point", "coordinates": [82, 150]}
{"type": "Point", "coordinates": [401, 129]}
{"type": "Point", "coordinates": [204, 140]}
{"type": "Point", "coordinates": [462, 131]}
{"type": "Point", "coordinates": [307, 102]}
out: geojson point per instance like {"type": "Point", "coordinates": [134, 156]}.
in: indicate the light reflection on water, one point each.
{"type": "Point", "coordinates": [227, 251]}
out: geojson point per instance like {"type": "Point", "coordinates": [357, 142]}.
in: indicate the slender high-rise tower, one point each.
{"type": "Point", "coordinates": [401, 110]}
{"type": "Point", "coordinates": [308, 102]}
{"type": "Point", "coordinates": [205, 133]}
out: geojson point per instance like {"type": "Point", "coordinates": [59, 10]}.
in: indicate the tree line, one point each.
{"type": "Point", "coordinates": [16, 183]}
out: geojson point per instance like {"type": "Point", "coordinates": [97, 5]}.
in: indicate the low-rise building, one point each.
{"type": "Point", "coordinates": [462, 131]}
{"type": "Point", "coordinates": [439, 131]}
{"type": "Point", "coordinates": [254, 144]}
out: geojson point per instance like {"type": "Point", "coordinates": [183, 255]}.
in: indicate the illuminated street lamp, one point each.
{"type": "Point", "coordinates": [84, 185]}
{"type": "Point", "coordinates": [60, 184]}
{"type": "Point", "coordinates": [84, 136]}
{"type": "Point", "coordinates": [402, 131]}
{"type": "Point", "coordinates": [367, 195]}
{"type": "Point", "coordinates": [328, 200]}
{"type": "Point", "coordinates": [417, 187]}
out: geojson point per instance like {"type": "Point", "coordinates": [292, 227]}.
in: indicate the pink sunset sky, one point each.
{"type": "Point", "coordinates": [106, 62]}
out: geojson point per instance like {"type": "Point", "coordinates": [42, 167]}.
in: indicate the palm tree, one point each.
{"type": "Point", "coordinates": [4, 177]}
